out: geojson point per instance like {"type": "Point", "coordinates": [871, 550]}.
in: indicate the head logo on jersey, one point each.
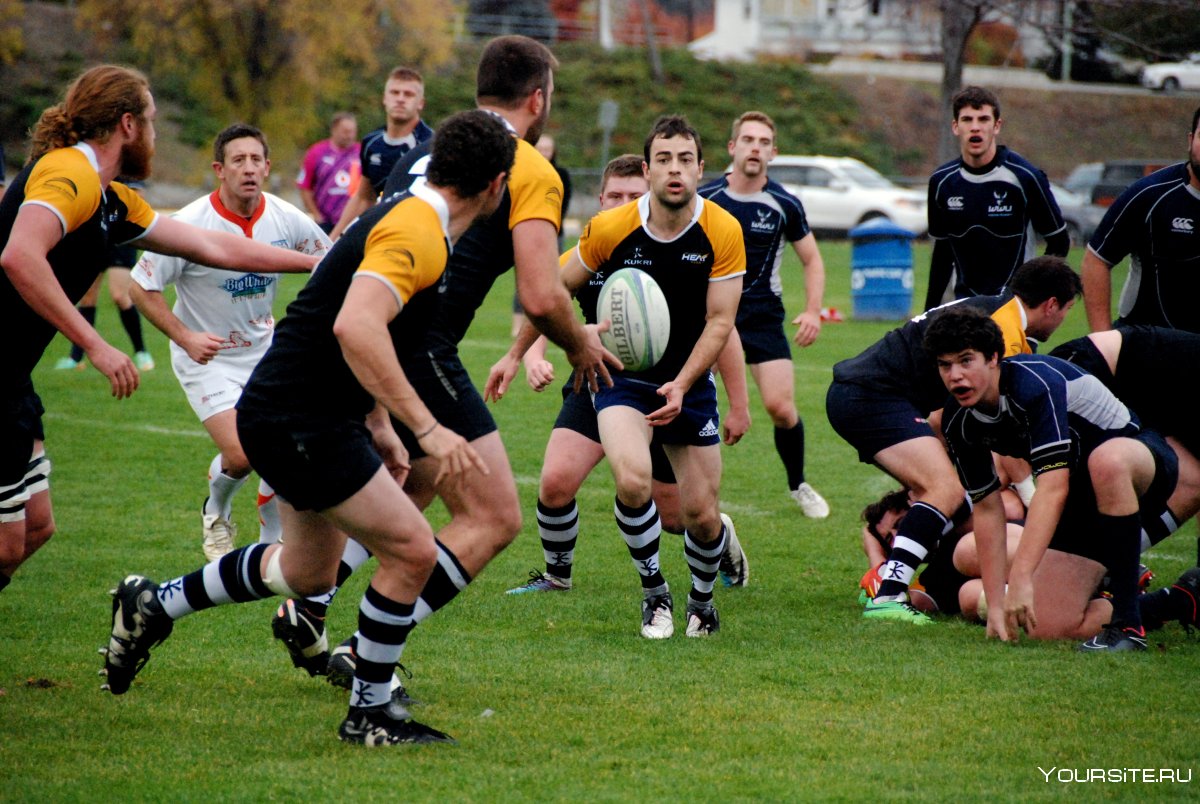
{"type": "Point", "coordinates": [765, 222]}
{"type": "Point", "coordinates": [1000, 208]}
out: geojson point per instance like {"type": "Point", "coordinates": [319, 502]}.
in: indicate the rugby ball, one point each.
{"type": "Point", "coordinates": [641, 322]}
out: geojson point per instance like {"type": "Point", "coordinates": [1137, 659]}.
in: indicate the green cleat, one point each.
{"type": "Point", "coordinates": [896, 611]}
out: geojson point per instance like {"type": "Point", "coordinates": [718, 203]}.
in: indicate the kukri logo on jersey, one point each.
{"type": "Point", "coordinates": [1000, 208]}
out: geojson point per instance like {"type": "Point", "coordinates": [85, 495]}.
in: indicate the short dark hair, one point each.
{"type": "Point", "coordinates": [669, 126]}
{"type": "Point", "coordinates": [510, 68]}
{"type": "Point", "coordinates": [236, 132]}
{"type": "Point", "coordinates": [403, 73]}
{"type": "Point", "coordinates": [872, 515]}
{"type": "Point", "coordinates": [958, 328]}
{"type": "Point", "coordinates": [622, 167]}
{"type": "Point", "coordinates": [469, 150]}
{"type": "Point", "coordinates": [1046, 277]}
{"type": "Point", "coordinates": [752, 117]}
{"type": "Point", "coordinates": [976, 98]}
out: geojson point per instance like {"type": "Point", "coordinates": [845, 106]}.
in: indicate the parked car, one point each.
{"type": "Point", "coordinates": [839, 193]}
{"type": "Point", "coordinates": [1081, 215]}
{"type": "Point", "coordinates": [1173, 76]}
{"type": "Point", "coordinates": [1120, 173]}
{"type": "Point", "coordinates": [1083, 178]}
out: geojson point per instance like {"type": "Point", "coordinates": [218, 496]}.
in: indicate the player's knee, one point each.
{"type": "Point", "coordinates": [556, 490]}
{"type": "Point", "coordinates": [38, 533]}
{"type": "Point", "coordinates": [1107, 471]}
{"type": "Point", "coordinates": [234, 462]}
{"type": "Point", "coordinates": [783, 413]}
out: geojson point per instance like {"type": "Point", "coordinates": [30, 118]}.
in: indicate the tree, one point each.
{"type": "Point", "coordinates": [10, 30]}
{"type": "Point", "coordinates": [272, 63]}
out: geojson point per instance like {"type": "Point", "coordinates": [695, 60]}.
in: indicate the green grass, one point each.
{"type": "Point", "coordinates": [555, 696]}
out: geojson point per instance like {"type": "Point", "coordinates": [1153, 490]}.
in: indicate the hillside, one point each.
{"type": "Point", "coordinates": [890, 123]}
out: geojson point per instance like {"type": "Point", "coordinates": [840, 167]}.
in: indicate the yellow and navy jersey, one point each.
{"type": "Point", "coordinates": [65, 181]}
{"type": "Point", "coordinates": [898, 364]}
{"type": "Point", "coordinates": [485, 251]}
{"type": "Point", "coordinates": [401, 244]}
{"type": "Point", "coordinates": [709, 249]}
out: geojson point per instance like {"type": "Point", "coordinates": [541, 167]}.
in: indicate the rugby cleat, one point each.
{"type": "Point", "coordinates": [734, 567]}
{"type": "Point", "coordinates": [303, 634]}
{"type": "Point", "coordinates": [702, 621]}
{"type": "Point", "coordinates": [811, 503]}
{"type": "Point", "coordinates": [387, 725]}
{"type": "Point", "coordinates": [138, 624]}
{"type": "Point", "coordinates": [1189, 585]}
{"type": "Point", "coordinates": [539, 582]}
{"type": "Point", "coordinates": [1116, 639]}
{"type": "Point", "coordinates": [896, 611]}
{"type": "Point", "coordinates": [339, 672]}
{"type": "Point", "coordinates": [657, 620]}
{"type": "Point", "coordinates": [219, 535]}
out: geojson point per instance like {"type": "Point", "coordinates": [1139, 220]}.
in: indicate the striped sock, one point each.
{"type": "Point", "coordinates": [233, 578]}
{"type": "Point", "coordinates": [558, 529]}
{"type": "Point", "coordinates": [641, 528]}
{"type": "Point", "coordinates": [703, 558]}
{"type": "Point", "coordinates": [383, 626]}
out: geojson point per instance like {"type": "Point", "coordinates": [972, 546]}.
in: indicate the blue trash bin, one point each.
{"type": "Point", "coordinates": [881, 270]}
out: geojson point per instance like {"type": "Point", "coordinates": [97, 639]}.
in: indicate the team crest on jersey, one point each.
{"type": "Point", "coordinates": [765, 222]}
{"type": "Point", "coordinates": [954, 202]}
{"type": "Point", "coordinates": [1182, 225]}
{"type": "Point", "coordinates": [1000, 208]}
{"type": "Point", "coordinates": [247, 286]}
{"type": "Point", "coordinates": [376, 159]}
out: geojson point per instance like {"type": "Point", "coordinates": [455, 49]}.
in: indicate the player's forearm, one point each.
{"type": "Point", "coordinates": [33, 278]}
{"type": "Point", "coordinates": [1097, 291]}
{"type": "Point", "coordinates": [991, 540]}
{"type": "Point", "coordinates": [153, 306]}
{"type": "Point", "coordinates": [356, 206]}
{"type": "Point", "coordinates": [1045, 510]}
{"type": "Point", "coordinates": [372, 358]}
{"type": "Point", "coordinates": [708, 347]}
{"type": "Point", "coordinates": [731, 365]}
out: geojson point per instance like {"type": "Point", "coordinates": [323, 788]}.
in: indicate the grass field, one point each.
{"type": "Point", "coordinates": [556, 696]}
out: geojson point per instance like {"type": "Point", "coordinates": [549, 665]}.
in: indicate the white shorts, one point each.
{"type": "Point", "coordinates": [212, 388]}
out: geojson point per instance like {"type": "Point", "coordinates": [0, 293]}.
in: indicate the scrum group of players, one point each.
{"type": "Point", "coordinates": [360, 412]}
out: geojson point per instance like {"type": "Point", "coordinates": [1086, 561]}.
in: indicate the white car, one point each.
{"type": "Point", "coordinates": [1172, 76]}
{"type": "Point", "coordinates": [839, 193]}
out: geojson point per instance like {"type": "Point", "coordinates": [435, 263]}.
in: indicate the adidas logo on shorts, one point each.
{"type": "Point", "coordinates": [708, 430]}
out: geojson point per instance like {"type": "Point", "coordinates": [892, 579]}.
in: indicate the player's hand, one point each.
{"type": "Point", "coordinates": [539, 374]}
{"type": "Point", "coordinates": [499, 378]}
{"type": "Point", "coordinates": [809, 328]}
{"type": "Point", "coordinates": [672, 392]}
{"type": "Point", "coordinates": [117, 366]}
{"type": "Point", "coordinates": [1018, 606]}
{"type": "Point", "coordinates": [202, 346]}
{"type": "Point", "coordinates": [996, 626]}
{"type": "Point", "coordinates": [393, 452]}
{"type": "Point", "coordinates": [735, 425]}
{"type": "Point", "coordinates": [454, 454]}
{"type": "Point", "coordinates": [592, 361]}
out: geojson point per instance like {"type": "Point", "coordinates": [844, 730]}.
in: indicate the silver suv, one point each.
{"type": "Point", "coordinates": [839, 193]}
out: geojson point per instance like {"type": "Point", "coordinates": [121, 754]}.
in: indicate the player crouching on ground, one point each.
{"type": "Point", "coordinates": [1094, 465]}
{"type": "Point", "coordinates": [314, 422]}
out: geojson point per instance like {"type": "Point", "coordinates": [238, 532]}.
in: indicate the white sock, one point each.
{"type": "Point", "coordinates": [221, 488]}
{"type": "Point", "coordinates": [270, 529]}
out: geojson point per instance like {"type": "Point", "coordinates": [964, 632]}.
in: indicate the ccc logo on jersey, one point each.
{"type": "Point", "coordinates": [954, 202]}
{"type": "Point", "coordinates": [1182, 225]}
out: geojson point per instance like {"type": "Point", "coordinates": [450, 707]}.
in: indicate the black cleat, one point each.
{"type": "Point", "coordinates": [1116, 639]}
{"type": "Point", "coordinates": [303, 634]}
{"type": "Point", "coordinates": [702, 621]}
{"type": "Point", "coordinates": [387, 725]}
{"type": "Point", "coordinates": [1189, 585]}
{"type": "Point", "coordinates": [138, 624]}
{"type": "Point", "coordinates": [343, 662]}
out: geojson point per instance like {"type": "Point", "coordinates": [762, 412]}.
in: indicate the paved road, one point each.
{"type": "Point", "coordinates": [985, 76]}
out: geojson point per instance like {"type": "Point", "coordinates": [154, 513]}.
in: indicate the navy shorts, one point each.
{"type": "Point", "coordinates": [446, 389]}
{"type": "Point", "coordinates": [579, 416]}
{"type": "Point", "coordinates": [1079, 532]}
{"type": "Point", "coordinates": [124, 256]}
{"type": "Point", "coordinates": [20, 425]}
{"type": "Point", "coordinates": [871, 421]}
{"type": "Point", "coordinates": [698, 423]}
{"type": "Point", "coordinates": [760, 326]}
{"type": "Point", "coordinates": [314, 465]}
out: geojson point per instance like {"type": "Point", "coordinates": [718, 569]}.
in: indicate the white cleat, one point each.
{"type": "Point", "coordinates": [657, 620]}
{"type": "Point", "coordinates": [219, 536]}
{"type": "Point", "coordinates": [811, 503]}
{"type": "Point", "coordinates": [734, 568]}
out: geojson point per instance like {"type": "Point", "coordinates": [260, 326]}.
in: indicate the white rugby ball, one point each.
{"type": "Point", "coordinates": [641, 321]}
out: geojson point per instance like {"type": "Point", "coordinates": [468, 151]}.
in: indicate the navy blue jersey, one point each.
{"type": "Point", "coordinates": [1051, 413]}
{"type": "Point", "coordinates": [380, 154]}
{"type": "Point", "coordinates": [1155, 220]}
{"type": "Point", "coordinates": [898, 364]}
{"type": "Point", "coordinates": [770, 218]}
{"type": "Point", "coordinates": [987, 216]}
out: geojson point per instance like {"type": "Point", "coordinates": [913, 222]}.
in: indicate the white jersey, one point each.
{"type": "Point", "coordinates": [233, 305]}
